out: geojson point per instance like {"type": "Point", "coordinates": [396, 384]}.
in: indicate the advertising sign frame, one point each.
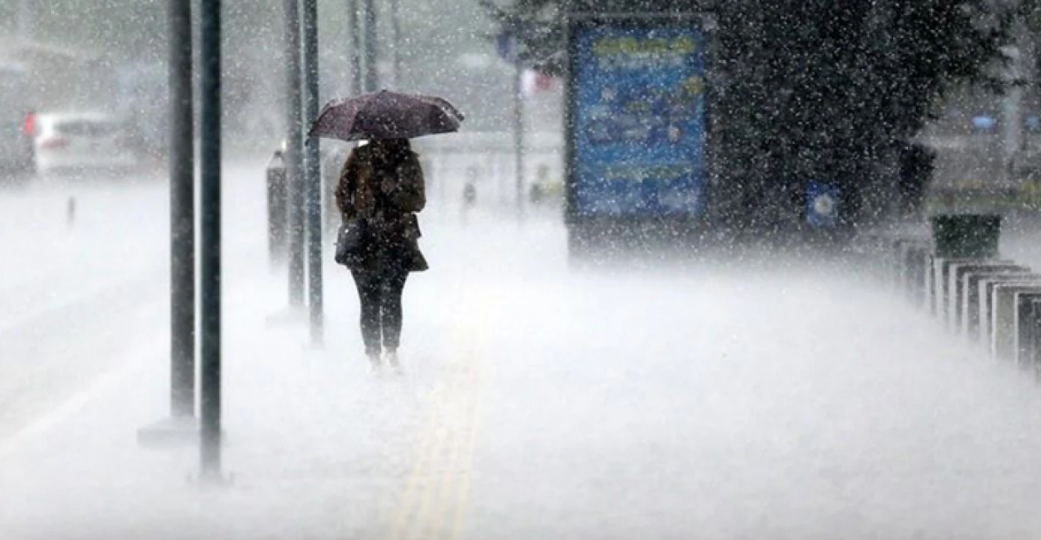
{"type": "Point", "coordinates": [577, 209]}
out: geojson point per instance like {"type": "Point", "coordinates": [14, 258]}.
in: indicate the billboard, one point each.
{"type": "Point", "coordinates": [636, 119]}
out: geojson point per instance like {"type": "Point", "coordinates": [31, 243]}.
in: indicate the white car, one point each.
{"type": "Point", "coordinates": [75, 142]}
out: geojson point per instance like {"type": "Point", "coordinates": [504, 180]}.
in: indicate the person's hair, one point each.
{"type": "Point", "coordinates": [400, 144]}
{"type": "Point", "coordinates": [390, 152]}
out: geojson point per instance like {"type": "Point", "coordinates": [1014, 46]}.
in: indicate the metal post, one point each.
{"type": "Point", "coordinates": [313, 172]}
{"type": "Point", "coordinates": [210, 81]}
{"type": "Point", "coordinates": [294, 154]}
{"type": "Point", "coordinates": [182, 213]}
{"type": "Point", "coordinates": [371, 76]}
{"type": "Point", "coordinates": [518, 135]}
{"type": "Point", "coordinates": [395, 25]}
{"type": "Point", "coordinates": [354, 22]}
{"type": "Point", "coordinates": [1012, 102]}
{"type": "Point", "coordinates": [25, 21]}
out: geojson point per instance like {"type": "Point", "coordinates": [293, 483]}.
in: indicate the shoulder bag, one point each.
{"type": "Point", "coordinates": [353, 238]}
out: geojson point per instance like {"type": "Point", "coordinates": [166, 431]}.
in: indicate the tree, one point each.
{"type": "Point", "coordinates": [812, 89]}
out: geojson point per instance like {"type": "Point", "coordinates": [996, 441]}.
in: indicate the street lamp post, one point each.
{"type": "Point", "coordinates": [371, 54]}
{"type": "Point", "coordinates": [294, 153]}
{"type": "Point", "coordinates": [210, 157]}
{"type": "Point", "coordinates": [395, 23]}
{"type": "Point", "coordinates": [518, 134]}
{"type": "Point", "coordinates": [182, 213]}
{"type": "Point", "coordinates": [182, 425]}
{"type": "Point", "coordinates": [354, 24]}
{"type": "Point", "coordinates": [24, 17]}
{"type": "Point", "coordinates": [312, 171]}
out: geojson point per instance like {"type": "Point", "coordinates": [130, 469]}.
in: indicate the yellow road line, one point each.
{"type": "Point", "coordinates": [420, 457]}
{"type": "Point", "coordinates": [433, 482]}
{"type": "Point", "coordinates": [472, 425]}
{"type": "Point", "coordinates": [441, 473]}
{"type": "Point", "coordinates": [434, 501]}
{"type": "Point", "coordinates": [464, 480]}
{"type": "Point", "coordinates": [411, 511]}
{"type": "Point", "coordinates": [459, 459]}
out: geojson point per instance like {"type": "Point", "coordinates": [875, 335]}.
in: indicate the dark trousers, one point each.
{"type": "Point", "coordinates": [380, 296]}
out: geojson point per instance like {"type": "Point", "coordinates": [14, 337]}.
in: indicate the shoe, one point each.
{"type": "Point", "coordinates": [375, 366]}
{"type": "Point", "coordinates": [392, 361]}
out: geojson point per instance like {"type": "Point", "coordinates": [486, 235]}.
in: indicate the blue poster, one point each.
{"type": "Point", "coordinates": [639, 128]}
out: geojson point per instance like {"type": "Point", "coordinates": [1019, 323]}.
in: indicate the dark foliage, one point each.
{"type": "Point", "coordinates": [812, 89]}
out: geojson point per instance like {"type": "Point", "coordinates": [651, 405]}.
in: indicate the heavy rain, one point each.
{"type": "Point", "coordinates": [520, 269]}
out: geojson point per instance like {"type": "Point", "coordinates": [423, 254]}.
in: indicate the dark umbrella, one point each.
{"type": "Point", "coordinates": [386, 115]}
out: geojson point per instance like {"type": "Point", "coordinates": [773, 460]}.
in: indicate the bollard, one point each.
{"type": "Point", "coordinates": [277, 219]}
{"type": "Point", "coordinates": [935, 290]}
{"type": "Point", "coordinates": [918, 262]}
{"type": "Point", "coordinates": [899, 256]}
{"type": "Point", "coordinates": [897, 249]}
{"type": "Point", "coordinates": [941, 286]}
{"type": "Point", "coordinates": [906, 264]}
{"type": "Point", "coordinates": [1033, 337]}
{"type": "Point", "coordinates": [1026, 331]}
{"type": "Point", "coordinates": [987, 287]}
{"type": "Point", "coordinates": [929, 301]}
{"type": "Point", "coordinates": [1024, 325]}
{"type": "Point", "coordinates": [970, 307]}
{"type": "Point", "coordinates": [956, 296]}
{"type": "Point", "coordinates": [1003, 313]}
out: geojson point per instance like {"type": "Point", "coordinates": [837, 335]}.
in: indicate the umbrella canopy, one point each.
{"type": "Point", "coordinates": [386, 115]}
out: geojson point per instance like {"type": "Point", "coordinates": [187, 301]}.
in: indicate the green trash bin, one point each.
{"type": "Point", "coordinates": [966, 236]}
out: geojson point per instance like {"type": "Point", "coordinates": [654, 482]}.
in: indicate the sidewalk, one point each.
{"type": "Point", "coordinates": [544, 403]}
{"type": "Point", "coordinates": [317, 447]}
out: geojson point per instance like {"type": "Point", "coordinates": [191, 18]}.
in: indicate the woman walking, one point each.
{"type": "Point", "coordinates": [382, 184]}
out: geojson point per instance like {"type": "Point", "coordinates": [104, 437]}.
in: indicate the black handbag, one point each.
{"type": "Point", "coordinates": [353, 238]}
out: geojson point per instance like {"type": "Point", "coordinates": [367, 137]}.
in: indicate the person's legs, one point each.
{"type": "Point", "coordinates": [393, 284]}
{"type": "Point", "coordinates": [368, 285]}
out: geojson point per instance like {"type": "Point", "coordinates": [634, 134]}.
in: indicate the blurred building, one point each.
{"type": "Point", "coordinates": [60, 77]}
{"type": "Point", "coordinates": [988, 140]}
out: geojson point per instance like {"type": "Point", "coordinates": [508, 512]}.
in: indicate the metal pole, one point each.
{"type": "Point", "coordinates": [371, 76]}
{"type": "Point", "coordinates": [210, 141]}
{"type": "Point", "coordinates": [396, 37]}
{"type": "Point", "coordinates": [518, 135]}
{"type": "Point", "coordinates": [294, 151]}
{"type": "Point", "coordinates": [1012, 103]}
{"type": "Point", "coordinates": [25, 21]}
{"type": "Point", "coordinates": [354, 22]}
{"type": "Point", "coordinates": [182, 213]}
{"type": "Point", "coordinates": [313, 172]}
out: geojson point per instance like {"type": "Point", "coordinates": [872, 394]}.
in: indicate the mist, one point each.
{"type": "Point", "coordinates": [755, 368]}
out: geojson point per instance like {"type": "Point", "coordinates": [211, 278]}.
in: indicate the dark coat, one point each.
{"type": "Point", "coordinates": [362, 192]}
